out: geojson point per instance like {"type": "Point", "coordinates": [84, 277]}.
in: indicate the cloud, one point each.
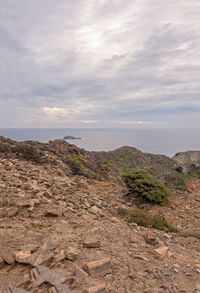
{"type": "Point", "coordinates": [105, 61]}
{"type": "Point", "coordinates": [136, 122]}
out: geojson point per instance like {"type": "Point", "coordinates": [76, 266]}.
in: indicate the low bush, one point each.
{"type": "Point", "coordinates": [24, 151]}
{"type": "Point", "coordinates": [148, 219]}
{"type": "Point", "coordinates": [143, 185]}
{"type": "Point", "coordinates": [27, 152]}
{"type": "Point", "coordinates": [4, 148]}
{"type": "Point", "coordinates": [79, 166]}
{"type": "Point", "coordinates": [76, 159]}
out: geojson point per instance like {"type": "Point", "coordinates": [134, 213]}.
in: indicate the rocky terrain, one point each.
{"type": "Point", "coordinates": [189, 162]}
{"type": "Point", "coordinates": [64, 228]}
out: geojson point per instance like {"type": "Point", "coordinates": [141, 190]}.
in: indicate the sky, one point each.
{"type": "Point", "coordinates": [100, 63]}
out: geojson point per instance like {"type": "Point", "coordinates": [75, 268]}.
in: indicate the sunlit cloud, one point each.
{"type": "Point", "coordinates": [59, 111]}
{"type": "Point", "coordinates": [89, 121]}
{"type": "Point", "coordinates": [136, 122]}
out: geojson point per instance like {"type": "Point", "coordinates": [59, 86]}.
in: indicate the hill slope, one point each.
{"type": "Point", "coordinates": [62, 230]}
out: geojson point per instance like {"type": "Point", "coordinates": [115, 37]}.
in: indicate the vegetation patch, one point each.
{"type": "Point", "coordinates": [148, 219]}
{"type": "Point", "coordinates": [76, 159]}
{"type": "Point", "coordinates": [190, 234]}
{"type": "Point", "coordinates": [4, 148]}
{"type": "Point", "coordinates": [143, 185]}
{"type": "Point", "coordinates": [25, 151]}
{"type": "Point", "coordinates": [78, 165]}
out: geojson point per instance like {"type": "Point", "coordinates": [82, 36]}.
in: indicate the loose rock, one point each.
{"type": "Point", "coordinates": [7, 255]}
{"type": "Point", "coordinates": [98, 268]}
{"type": "Point", "coordinates": [71, 253]}
{"type": "Point", "coordinates": [91, 242]}
{"type": "Point", "coordinates": [162, 251]}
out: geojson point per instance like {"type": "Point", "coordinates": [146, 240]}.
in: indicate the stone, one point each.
{"type": "Point", "coordinates": [162, 251]}
{"type": "Point", "coordinates": [151, 238]}
{"type": "Point", "coordinates": [23, 256]}
{"type": "Point", "coordinates": [71, 253]}
{"type": "Point", "coordinates": [141, 257]}
{"type": "Point", "coordinates": [60, 256]}
{"type": "Point", "coordinates": [26, 203]}
{"type": "Point", "coordinates": [95, 210]}
{"type": "Point", "coordinates": [2, 185]}
{"type": "Point", "coordinates": [121, 290]}
{"type": "Point", "coordinates": [198, 268]}
{"type": "Point", "coordinates": [42, 274]}
{"type": "Point", "coordinates": [11, 212]}
{"type": "Point", "coordinates": [96, 289]}
{"type": "Point", "coordinates": [7, 255]}
{"type": "Point", "coordinates": [53, 211]}
{"type": "Point", "coordinates": [31, 247]}
{"type": "Point", "coordinates": [42, 255]}
{"type": "Point", "coordinates": [98, 268]}
{"type": "Point", "coordinates": [91, 242]}
{"type": "Point", "coordinates": [80, 274]}
{"type": "Point", "coordinates": [16, 174]}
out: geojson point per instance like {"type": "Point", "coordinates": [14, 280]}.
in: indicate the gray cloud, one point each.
{"type": "Point", "coordinates": [66, 63]}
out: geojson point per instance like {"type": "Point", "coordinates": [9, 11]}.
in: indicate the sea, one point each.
{"type": "Point", "coordinates": [157, 141]}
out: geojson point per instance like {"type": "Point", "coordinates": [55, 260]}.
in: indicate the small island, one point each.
{"type": "Point", "coordinates": [71, 137]}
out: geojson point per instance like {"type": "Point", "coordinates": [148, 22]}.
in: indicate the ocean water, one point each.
{"type": "Point", "coordinates": [157, 141]}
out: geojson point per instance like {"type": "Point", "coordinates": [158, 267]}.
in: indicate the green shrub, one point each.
{"type": "Point", "coordinates": [147, 219]}
{"type": "Point", "coordinates": [4, 148]}
{"type": "Point", "coordinates": [24, 151]}
{"type": "Point", "coordinates": [76, 159]}
{"type": "Point", "coordinates": [144, 185]}
{"type": "Point", "coordinates": [27, 152]}
{"type": "Point", "coordinates": [77, 164]}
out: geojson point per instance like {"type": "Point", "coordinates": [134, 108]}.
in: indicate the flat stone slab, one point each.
{"type": "Point", "coordinates": [98, 268]}
{"type": "Point", "coordinates": [91, 242]}
{"type": "Point", "coordinates": [42, 274]}
{"type": "Point", "coordinates": [42, 255]}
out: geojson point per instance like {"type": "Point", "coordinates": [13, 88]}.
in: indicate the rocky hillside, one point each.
{"type": "Point", "coordinates": [189, 163]}
{"type": "Point", "coordinates": [98, 165]}
{"type": "Point", "coordinates": [64, 224]}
